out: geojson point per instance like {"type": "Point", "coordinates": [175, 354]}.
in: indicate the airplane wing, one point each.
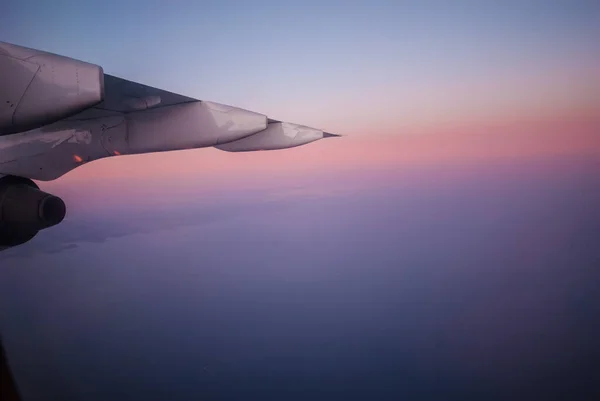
{"type": "Point", "coordinates": [111, 116]}
{"type": "Point", "coordinates": [58, 113]}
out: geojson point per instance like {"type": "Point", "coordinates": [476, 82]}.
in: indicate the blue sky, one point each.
{"type": "Point", "coordinates": [312, 60]}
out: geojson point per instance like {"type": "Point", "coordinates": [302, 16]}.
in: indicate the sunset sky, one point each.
{"type": "Point", "coordinates": [444, 248]}
{"type": "Point", "coordinates": [427, 82]}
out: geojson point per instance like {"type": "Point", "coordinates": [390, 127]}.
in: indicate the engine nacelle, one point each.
{"type": "Point", "coordinates": [25, 210]}
{"type": "Point", "coordinates": [39, 88]}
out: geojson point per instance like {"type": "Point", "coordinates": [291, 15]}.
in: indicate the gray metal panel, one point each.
{"type": "Point", "coordinates": [38, 88]}
{"type": "Point", "coordinates": [20, 74]}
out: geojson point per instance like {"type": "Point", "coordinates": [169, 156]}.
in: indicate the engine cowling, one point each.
{"type": "Point", "coordinates": [38, 88]}
{"type": "Point", "coordinates": [25, 210]}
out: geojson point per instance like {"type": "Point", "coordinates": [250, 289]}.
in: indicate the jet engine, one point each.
{"type": "Point", "coordinates": [25, 210]}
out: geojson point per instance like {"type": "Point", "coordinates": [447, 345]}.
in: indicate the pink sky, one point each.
{"type": "Point", "coordinates": [447, 144]}
{"type": "Point", "coordinates": [173, 178]}
{"type": "Point", "coordinates": [519, 115]}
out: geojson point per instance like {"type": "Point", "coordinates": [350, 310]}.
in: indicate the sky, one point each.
{"type": "Point", "coordinates": [403, 81]}
{"type": "Point", "coordinates": [443, 248]}
{"type": "Point", "coordinates": [357, 68]}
